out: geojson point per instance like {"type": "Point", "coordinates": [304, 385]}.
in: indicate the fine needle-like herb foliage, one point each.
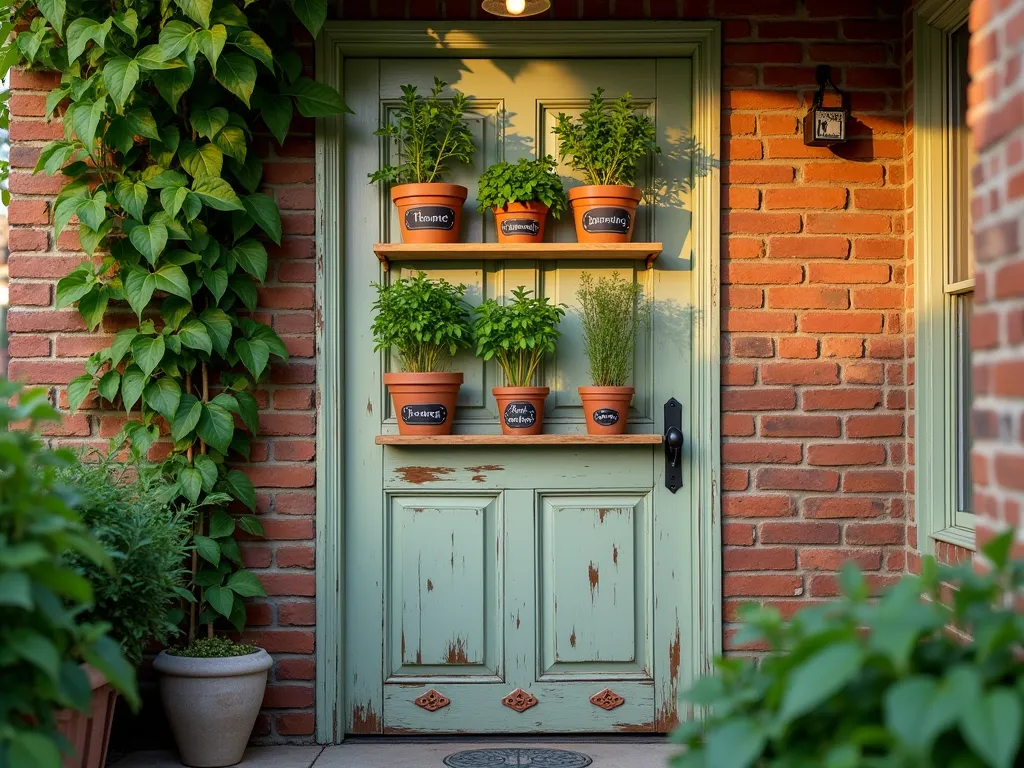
{"type": "Point", "coordinates": [518, 334]}
{"type": "Point", "coordinates": [425, 321]}
{"type": "Point", "coordinates": [429, 133]}
{"type": "Point", "coordinates": [525, 181]}
{"type": "Point", "coordinates": [608, 141]}
{"type": "Point", "coordinates": [613, 311]}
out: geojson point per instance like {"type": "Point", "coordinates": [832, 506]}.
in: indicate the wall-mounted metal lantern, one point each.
{"type": "Point", "coordinates": [824, 126]}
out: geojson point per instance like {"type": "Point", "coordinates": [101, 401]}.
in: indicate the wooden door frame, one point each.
{"type": "Point", "coordinates": [699, 41]}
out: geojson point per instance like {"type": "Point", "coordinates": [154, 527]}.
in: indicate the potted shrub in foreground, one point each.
{"type": "Point", "coordinates": [612, 311]}
{"type": "Point", "coordinates": [518, 334]}
{"type": "Point", "coordinates": [428, 133]}
{"type": "Point", "coordinates": [426, 322]}
{"type": "Point", "coordinates": [521, 195]}
{"type": "Point", "coordinates": [606, 144]}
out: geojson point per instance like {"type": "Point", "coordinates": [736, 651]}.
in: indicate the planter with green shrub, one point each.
{"type": "Point", "coordinates": [521, 195]}
{"type": "Point", "coordinates": [519, 334]}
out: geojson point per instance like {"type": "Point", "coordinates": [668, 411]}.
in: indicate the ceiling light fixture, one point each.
{"type": "Point", "coordinates": [516, 9]}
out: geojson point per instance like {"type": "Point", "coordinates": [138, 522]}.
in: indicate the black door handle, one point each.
{"type": "Point", "coordinates": [673, 445]}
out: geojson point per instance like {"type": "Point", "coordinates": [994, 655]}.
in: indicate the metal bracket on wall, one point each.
{"type": "Point", "coordinates": [673, 445]}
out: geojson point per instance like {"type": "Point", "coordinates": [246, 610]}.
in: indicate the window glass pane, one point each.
{"type": "Point", "coordinates": [961, 252]}
{"type": "Point", "coordinates": [964, 305]}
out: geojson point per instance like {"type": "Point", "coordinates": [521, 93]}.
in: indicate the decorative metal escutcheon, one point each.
{"type": "Point", "coordinates": [520, 700]}
{"type": "Point", "coordinates": [432, 701]}
{"type": "Point", "coordinates": [673, 445]}
{"type": "Point", "coordinates": [607, 699]}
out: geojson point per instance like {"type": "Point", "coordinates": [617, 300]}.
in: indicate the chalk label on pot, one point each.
{"type": "Point", "coordinates": [430, 217]}
{"type": "Point", "coordinates": [605, 416]}
{"type": "Point", "coordinates": [429, 414]}
{"type": "Point", "coordinates": [520, 227]}
{"type": "Point", "coordinates": [614, 220]}
{"type": "Point", "coordinates": [520, 415]}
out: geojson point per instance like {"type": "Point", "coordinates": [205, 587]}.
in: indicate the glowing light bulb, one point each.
{"type": "Point", "coordinates": [515, 7]}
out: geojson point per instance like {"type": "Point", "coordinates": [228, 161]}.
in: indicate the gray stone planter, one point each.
{"type": "Point", "coordinates": [212, 704]}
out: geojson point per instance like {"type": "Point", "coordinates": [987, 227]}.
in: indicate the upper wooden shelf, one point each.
{"type": "Point", "coordinates": [518, 440]}
{"type": "Point", "coordinates": [387, 252]}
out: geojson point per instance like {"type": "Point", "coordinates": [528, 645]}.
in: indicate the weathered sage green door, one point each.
{"type": "Point", "coordinates": [557, 574]}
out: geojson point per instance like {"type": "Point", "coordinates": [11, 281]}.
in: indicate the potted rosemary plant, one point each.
{"type": "Point", "coordinates": [429, 132]}
{"type": "Point", "coordinates": [612, 311]}
{"type": "Point", "coordinates": [518, 334]}
{"type": "Point", "coordinates": [521, 195]}
{"type": "Point", "coordinates": [607, 143]}
{"type": "Point", "coordinates": [426, 322]}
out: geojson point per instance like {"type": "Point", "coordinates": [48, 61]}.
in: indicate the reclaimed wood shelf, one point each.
{"type": "Point", "coordinates": [581, 440]}
{"type": "Point", "coordinates": [388, 252]}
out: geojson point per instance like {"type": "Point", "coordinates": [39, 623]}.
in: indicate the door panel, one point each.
{"type": "Point", "coordinates": [561, 571]}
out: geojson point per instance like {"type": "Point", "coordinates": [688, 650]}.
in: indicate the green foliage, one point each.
{"type": "Point", "coordinates": [608, 141]}
{"type": "Point", "coordinates": [524, 182]}
{"type": "Point", "coordinates": [428, 132]}
{"type": "Point", "coordinates": [902, 682]}
{"type": "Point", "coordinates": [43, 637]}
{"type": "Point", "coordinates": [518, 334]}
{"type": "Point", "coordinates": [213, 648]}
{"type": "Point", "coordinates": [162, 103]}
{"type": "Point", "coordinates": [10, 53]}
{"type": "Point", "coordinates": [612, 311]}
{"type": "Point", "coordinates": [425, 321]}
{"type": "Point", "coordinates": [146, 541]}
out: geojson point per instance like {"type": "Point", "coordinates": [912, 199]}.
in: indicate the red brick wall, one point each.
{"type": "Point", "coordinates": [996, 118]}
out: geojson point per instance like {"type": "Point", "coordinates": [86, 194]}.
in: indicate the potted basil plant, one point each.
{"type": "Point", "coordinates": [518, 334]}
{"type": "Point", "coordinates": [429, 133]}
{"type": "Point", "coordinates": [425, 322]}
{"type": "Point", "coordinates": [521, 195]}
{"type": "Point", "coordinates": [612, 311]}
{"type": "Point", "coordinates": [607, 144]}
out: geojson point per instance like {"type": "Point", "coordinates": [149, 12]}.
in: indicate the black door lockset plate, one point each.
{"type": "Point", "coordinates": [673, 445]}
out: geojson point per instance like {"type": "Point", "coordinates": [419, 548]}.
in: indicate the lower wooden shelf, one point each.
{"type": "Point", "coordinates": [410, 440]}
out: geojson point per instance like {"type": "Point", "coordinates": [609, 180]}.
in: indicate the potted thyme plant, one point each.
{"type": "Point", "coordinates": [426, 322]}
{"type": "Point", "coordinates": [518, 334]}
{"type": "Point", "coordinates": [612, 311]}
{"type": "Point", "coordinates": [429, 133]}
{"type": "Point", "coordinates": [521, 195]}
{"type": "Point", "coordinates": [607, 144]}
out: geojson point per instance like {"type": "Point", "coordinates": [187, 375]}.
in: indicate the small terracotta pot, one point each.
{"type": "Point", "coordinates": [89, 734]}
{"type": "Point", "coordinates": [604, 213]}
{"type": "Point", "coordinates": [424, 402]}
{"type": "Point", "coordinates": [521, 222]}
{"type": "Point", "coordinates": [429, 213]}
{"type": "Point", "coordinates": [521, 409]}
{"type": "Point", "coordinates": [606, 409]}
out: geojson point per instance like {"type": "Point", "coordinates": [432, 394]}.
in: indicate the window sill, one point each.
{"type": "Point", "coordinates": [958, 536]}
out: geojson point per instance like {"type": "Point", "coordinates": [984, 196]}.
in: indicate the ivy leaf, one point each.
{"type": "Point", "coordinates": [248, 410]}
{"type": "Point", "coordinates": [221, 599]}
{"type": "Point", "coordinates": [254, 355]}
{"type": "Point", "coordinates": [201, 162]}
{"type": "Point", "coordinates": [216, 426]}
{"type": "Point", "coordinates": [199, 12]}
{"type": "Point", "coordinates": [150, 240]}
{"type": "Point", "coordinates": [132, 197]}
{"type": "Point", "coordinates": [175, 37]}
{"type": "Point", "coordinates": [186, 418]}
{"type": "Point", "coordinates": [192, 485]}
{"type": "Point", "coordinates": [138, 290]}
{"type": "Point", "coordinates": [163, 396]}
{"type": "Point", "coordinates": [171, 279]}
{"type": "Point", "coordinates": [265, 213]}
{"type": "Point", "coordinates": [83, 30]}
{"type": "Point", "coordinates": [122, 342]}
{"type": "Point", "coordinates": [240, 486]}
{"type": "Point", "coordinates": [232, 142]}
{"type": "Point", "coordinates": [244, 290]}
{"type": "Point", "coordinates": [237, 73]}
{"type": "Point", "coordinates": [85, 119]}
{"type": "Point", "coordinates": [207, 469]}
{"type": "Point", "coordinates": [128, 22]}
{"type": "Point", "coordinates": [163, 178]}
{"type": "Point", "coordinates": [151, 58]}
{"type": "Point", "coordinates": [221, 524]}
{"type": "Point", "coordinates": [75, 285]}
{"type": "Point", "coordinates": [109, 385]}
{"type": "Point", "coordinates": [53, 11]}
{"type": "Point", "coordinates": [312, 14]}
{"type": "Point", "coordinates": [55, 154]}
{"type": "Point", "coordinates": [120, 75]}
{"type": "Point", "coordinates": [133, 381]}
{"type": "Point", "coordinates": [119, 135]}
{"type": "Point", "coordinates": [314, 99]}
{"type": "Point", "coordinates": [211, 43]}
{"type": "Point", "coordinates": [92, 212]}
{"type": "Point", "coordinates": [277, 115]}
{"type": "Point", "coordinates": [249, 173]}
{"type": "Point", "coordinates": [252, 257]}
{"type": "Point", "coordinates": [194, 335]}
{"type": "Point", "coordinates": [217, 194]}
{"type": "Point", "coordinates": [93, 306]}
{"type": "Point", "coordinates": [91, 238]}
{"type": "Point", "coordinates": [218, 324]}
{"type": "Point", "coordinates": [216, 281]}
{"type": "Point", "coordinates": [254, 45]}
{"type": "Point", "coordinates": [172, 84]}
{"type": "Point", "coordinates": [140, 121]}
{"type": "Point", "coordinates": [79, 389]}
{"type": "Point", "coordinates": [208, 122]}
{"type": "Point", "coordinates": [245, 584]}
{"type": "Point", "coordinates": [172, 198]}
{"type": "Point", "coordinates": [148, 351]}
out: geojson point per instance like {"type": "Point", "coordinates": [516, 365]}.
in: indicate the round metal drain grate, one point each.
{"type": "Point", "coordinates": [517, 756]}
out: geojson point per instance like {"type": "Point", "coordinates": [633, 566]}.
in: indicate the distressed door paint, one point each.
{"type": "Point", "coordinates": [477, 572]}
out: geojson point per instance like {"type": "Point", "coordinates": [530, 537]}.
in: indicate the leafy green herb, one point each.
{"type": "Point", "coordinates": [216, 647]}
{"type": "Point", "coordinates": [425, 321]}
{"type": "Point", "coordinates": [428, 132]}
{"type": "Point", "coordinates": [518, 334]}
{"type": "Point", "coordinates": [613, 311]}
{"type": "Point", "coordinates": [608, 141]}
{"type": "Point", "coordinates": [525, 181]}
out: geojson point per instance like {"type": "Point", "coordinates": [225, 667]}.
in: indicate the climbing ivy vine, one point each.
{"type": "Point", "coordinates": [160, 103]}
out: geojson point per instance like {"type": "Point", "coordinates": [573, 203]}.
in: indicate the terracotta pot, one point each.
{"type": "Point", "coordinates": [604, 213]}
{"type": "Point", "coordinates": [521, 409]}
{"type": "Point", "coordinates": [521, 222]}
{"type": "Point", "coordinates": [606, 409]}
{"type": "Point", "coordinates": [424, 402]}
{"type": "Point", "coordinates": [429, 213]}
{"type": "Point", "coordinates": [89, 734]}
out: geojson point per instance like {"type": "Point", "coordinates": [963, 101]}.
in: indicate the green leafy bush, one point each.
{"type": "Point", "coordinates": [525, 181]}
{"type": "Point", "coordinates": [608, 141]}
{"type": "Point", "coordinates": [43, 637]}
{"type": "Point", "coordinates": [213, 648]}
{"type": "Point", "coordinates": [518, 334]}
{"type": "Point", "coordinates": [613, 311]}
{"type": "Point", "coordinates": [429, 132]}
{"type": "Point", "coordinates": [902, 682]}
{"type": "Point", "coordinates": [146, 540]}
{"type": "Point", "coordinates": [425, 321]}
